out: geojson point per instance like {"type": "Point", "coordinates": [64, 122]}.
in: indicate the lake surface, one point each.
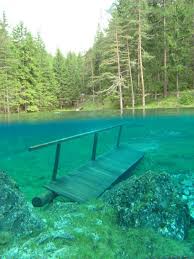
{"type": "Point", "coordinates": [166, 137]}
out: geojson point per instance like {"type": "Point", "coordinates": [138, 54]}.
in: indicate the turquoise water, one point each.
{"type": "Point", "coordinates": [166, 137]}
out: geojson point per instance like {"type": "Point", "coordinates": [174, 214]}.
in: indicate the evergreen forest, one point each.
{"type": "Point", "coordinates": [146, 52]}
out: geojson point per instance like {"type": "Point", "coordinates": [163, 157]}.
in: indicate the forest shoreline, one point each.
{"type": "Point", "coordinates": [103, 109]}
{"type": "Point", "coordinates": [185, 101]}
{"type": "Point", "coordinates": [144, 55]}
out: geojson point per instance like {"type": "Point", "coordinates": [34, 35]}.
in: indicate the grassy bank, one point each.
{"type": "Point", "coordinates": [185, 100]}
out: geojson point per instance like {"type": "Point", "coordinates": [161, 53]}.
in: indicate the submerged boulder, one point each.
{"type": "Point", "coordinates": [186, 184]}
{"type": "Point", "coordinates": [150, 201]}
{"type": "Point", "coordinates": [16, 215]}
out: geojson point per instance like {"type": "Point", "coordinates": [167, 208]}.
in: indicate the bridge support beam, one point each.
{"type": "Point", "coordinates": [94, 146]}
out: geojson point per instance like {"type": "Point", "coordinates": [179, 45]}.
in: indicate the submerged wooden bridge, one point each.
{"type": "Point", "coordinates": [95, 176]}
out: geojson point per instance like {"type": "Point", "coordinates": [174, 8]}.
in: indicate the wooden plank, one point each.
{"type": "Point", "coordinates": [78, 193]}
{"type": "Point", "coordinates": [82, 186]}
{"type": "Point", "coordinates": [76, 187]}
{"type": "Point", "coordinates": [62, 186]}
{"type": "Point", "coordinates": [65, 193]}
{"type": "Point", "coordinates": [93, 178]}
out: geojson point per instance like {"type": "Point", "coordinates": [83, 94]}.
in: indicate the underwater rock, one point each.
{"type": "Point", "coordinates": [186, 186]}
{"type": "Point", "coordinates": [150, 201]}
{"type": "Point", "coordinates": [5, 238]}
{"type": "Point", "coordinates": [16, 215]}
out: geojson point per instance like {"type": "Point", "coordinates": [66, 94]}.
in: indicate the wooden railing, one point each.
{"type": "Point", "coordinates": [94, 148]}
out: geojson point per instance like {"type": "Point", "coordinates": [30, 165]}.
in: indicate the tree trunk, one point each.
{"type": "Point", "coordinates": [130, 75]}
{"type": "Point", "coordinates": [119, 73]}
{"type": "Point", "coordinates": [18, 108]}
{"type": "Point", "coordinates": [4, 103]}
{"type": "Point", "coordinates": [177, 85]}
{"type": "Point", "coordinates": [138, 72]}
{"type": "Point", "coordinates": [165, 53]}
{"type": "Point", "coordinates": [7, 100]}
{"type": "Point", "coordinates": [7, 105]}
{"type": "Point", "coordinates": [92, 71]}
{"type": "Point", "coordinates": [140, 56]}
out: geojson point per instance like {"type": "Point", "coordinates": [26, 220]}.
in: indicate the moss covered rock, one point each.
{"type": "Point", "coordinates": [5, 238]}
{"type": "Point", "coordinates": [152, 201]}
{"type": "Point", "coordinates": [16, 215]}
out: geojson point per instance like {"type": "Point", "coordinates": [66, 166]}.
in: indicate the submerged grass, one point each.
{"type": "Point", "coordinates": [97, 235]}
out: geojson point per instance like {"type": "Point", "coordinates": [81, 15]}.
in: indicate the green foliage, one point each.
{"type": "Point", "coordinates": [68, 74]}
{"type": "Point", "coordinates": [89, 105]}
{"type": "Point", "coordinates": [32, 108]}
{"type": "Point", "coordinates": [186, 98]}
{"type": "Point", "coordinates": [125, 21]}
{"type": "Point", "coordinates": [111, 102]}
{"type": "Point", "coordinates": [31, 77]}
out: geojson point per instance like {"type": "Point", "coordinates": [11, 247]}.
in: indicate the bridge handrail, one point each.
{"type": "Point", "coordinates": [94, 148]}
{"type": "Point", "coordinates": [54, 142]}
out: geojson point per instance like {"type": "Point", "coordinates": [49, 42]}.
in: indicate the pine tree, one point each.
{"type": "Point", "coordinates": [46, 86]}
{"type": "Point", "coordinates": [27, 70]}
{"type": "Point", "coordinates": [111, 72]}
{"type": "Point", "coordinates": [59, 71]}
{"type": "Point", "coordinates": [8, 61]}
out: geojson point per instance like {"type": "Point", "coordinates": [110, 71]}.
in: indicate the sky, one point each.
{"type": "Point", "coordinates": [70, 25]}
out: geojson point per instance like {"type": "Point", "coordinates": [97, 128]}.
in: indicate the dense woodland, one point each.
{"type": "Point", "coordinates": [146, 52]}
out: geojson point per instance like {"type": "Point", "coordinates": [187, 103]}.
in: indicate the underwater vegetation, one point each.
{"type": "Point", "coordinates": [155, 220]}
{"type": "Point", "coordinates": [150, 201]}
{"type": "Point", "coordinates": [114, 226]}
{"type": "Point", "coordinates": [16, 215]}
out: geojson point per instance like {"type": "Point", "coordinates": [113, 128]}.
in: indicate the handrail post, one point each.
{"type": "Point", "coordinates": [94, 146]}
{"type": "Point", "coordinates": [56, 164]}
{"type": "Point", "coordinates": [119, 136]}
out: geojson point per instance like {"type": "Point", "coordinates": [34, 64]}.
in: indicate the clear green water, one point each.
{"type": "Point", "coordinates": [166, 137]}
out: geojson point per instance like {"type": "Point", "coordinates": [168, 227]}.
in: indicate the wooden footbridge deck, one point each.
{"type": "Point", "coordinates": [94, 177]}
